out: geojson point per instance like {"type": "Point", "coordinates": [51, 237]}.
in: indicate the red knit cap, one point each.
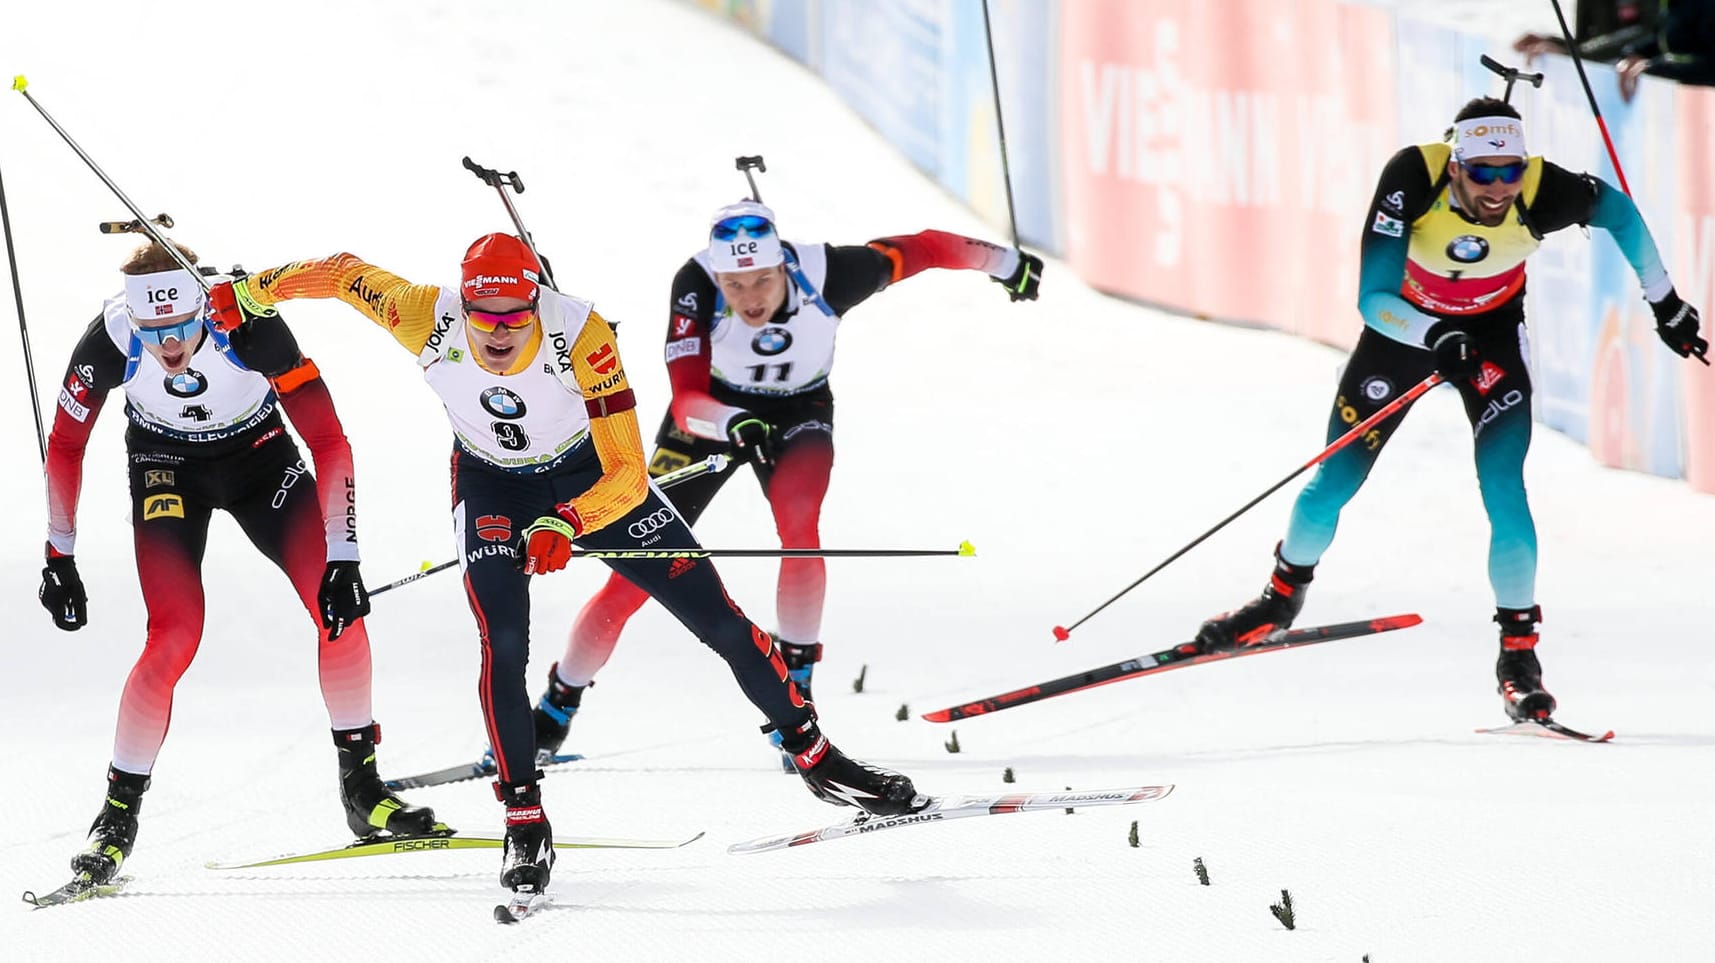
{"type": "Point", "coordinates": [499, 266]}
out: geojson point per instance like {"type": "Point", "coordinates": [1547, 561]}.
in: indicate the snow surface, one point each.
{"type": "Point", "coordinates": [1075, 441]}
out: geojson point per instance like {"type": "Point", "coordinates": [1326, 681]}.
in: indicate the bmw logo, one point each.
{"type": "Point", "coordinates": [186, 384]}
{"type": "Point", "coordinates": [771, 341]}
{"type": "Point", "coordinates": [503, 403]}
{"type": "Point", "coordinates": [1468, 249]}
{"type": "Point", "coordinates": [1376, 388]}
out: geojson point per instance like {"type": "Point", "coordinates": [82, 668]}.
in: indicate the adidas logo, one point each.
{"type": "Point", "coordinates": [679, 567]}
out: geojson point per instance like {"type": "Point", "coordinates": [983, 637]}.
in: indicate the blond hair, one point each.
{"type": "Point", "coordinates": [152, 258]}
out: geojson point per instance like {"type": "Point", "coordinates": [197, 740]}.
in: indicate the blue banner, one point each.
{"type": "Point", "coordinates": [971, 165]}
{"type": "Point", "coordinates": [1601, 375]}
{"type": "Point", "coordinates": [883, 58]}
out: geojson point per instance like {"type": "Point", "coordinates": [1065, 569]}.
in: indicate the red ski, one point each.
{"type": "Point", "coordinates": [1178, 657]}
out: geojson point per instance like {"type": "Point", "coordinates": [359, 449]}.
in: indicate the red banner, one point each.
{"type": "Point", "coordinates": [1224, 171]}
{"type": "Point", "coordinates": [1693, 265]}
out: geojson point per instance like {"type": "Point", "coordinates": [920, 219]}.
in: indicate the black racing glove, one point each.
{"type": "Point", "coordinates": [343, 599]}
{"type": "Point", "coordinates": [753, 438]}
{"type": "Point", "coordinates": [62, 594]}
{"type": "Point", "coordinates": [1456, 354]}
{"type": "Point", "coordinates": [1025, 280]}
{"type": "Point", "coordinates": [1677, 322]}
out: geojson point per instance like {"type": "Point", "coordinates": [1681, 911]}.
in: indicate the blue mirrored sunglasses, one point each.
{"type": "Point", "coordinates": [182, 332]}
{"type": "Point", "coordinates": [1486, 174]}
{"type": "Point", "coordinates": [751, 224]}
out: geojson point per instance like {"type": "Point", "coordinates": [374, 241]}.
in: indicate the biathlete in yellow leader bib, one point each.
{"type": "Point", "coordinates": [1441, 288]}
{"type": "Point", "coordinates": [546, 453]}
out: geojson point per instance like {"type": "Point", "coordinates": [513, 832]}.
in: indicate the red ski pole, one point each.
{"type": "Point", "coordinates": [1590, 95]}
{"type": "Point", "coordinates": [1062, 633]}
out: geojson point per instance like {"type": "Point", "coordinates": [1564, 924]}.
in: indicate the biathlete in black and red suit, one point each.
{"type": "Point", "coordinates": [751, 326]}
{"type": "Point", "coordinates": [205, 433]}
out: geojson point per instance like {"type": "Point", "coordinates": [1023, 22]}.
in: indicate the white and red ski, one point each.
{"type": "Point", "coordinates": [943, 808]}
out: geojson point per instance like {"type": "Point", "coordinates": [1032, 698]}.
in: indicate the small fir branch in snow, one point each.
{"type": "Point", "coordinates": [1133, 837]}
{"type": "Point", "coordinates": [1202, 871]}
{"type": "Point", "coordinates": [953, 743]}
{"type": "Point", "coordinates": [903, 713]}
{"type": "Point", "coordinates": [857, 683]}
{"type": "Point", "coordinates": [1283, 911]}
{"type": "Point", "coordinates": [1006, 776]}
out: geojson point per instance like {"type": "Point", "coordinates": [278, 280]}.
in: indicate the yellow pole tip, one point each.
{"type": "Point", "coordinates": [967, 550]}
{"type": "Point", "coordinates": [426, 565]}
{"type": "Point", "coordinates": [19, 83]}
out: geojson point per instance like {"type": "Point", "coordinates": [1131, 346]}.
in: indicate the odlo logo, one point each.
{"type": "Point", "coordinates": [1496, 407]}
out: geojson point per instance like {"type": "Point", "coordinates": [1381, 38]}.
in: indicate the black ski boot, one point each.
{"type": "Point", "coordinates": [528, 857]}
{"type": "Point", "coordinates": [115, 830]}
{"type": "Point", "coordinates": [1517, 670]}
{"type": "Point", "coordinates": [370, 807]}
{"type": "Point", "coordinates": [553, 714]}
{"type": "Point", "coordinates": [837, 778]}
{"type": "Point", "coordinates": [801, 659]}
{"type": "Point", "coordinates": [1272, 611]}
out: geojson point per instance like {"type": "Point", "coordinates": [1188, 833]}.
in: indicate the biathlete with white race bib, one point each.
{"type": "Point", "coordinates": [547, 454]}
{"type": "Point", "coordinates": [751, 325]}
{"type": "Point", "coordinates": [204, 432]}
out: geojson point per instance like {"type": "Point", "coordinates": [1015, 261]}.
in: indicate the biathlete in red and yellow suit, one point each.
{"type": "Point", "coordinates": [750, 344]}
{"type": "Point", "coordinates": [547, 454]}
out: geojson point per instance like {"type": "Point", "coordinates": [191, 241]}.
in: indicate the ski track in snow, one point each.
{"type": "Point", "coordinates": [1347, 773]}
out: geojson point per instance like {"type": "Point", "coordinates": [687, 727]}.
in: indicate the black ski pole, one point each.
{"type": "Point", "coordinates": [146, 224]}
{"type": "Point", "coordinates": [1062, 633]}
{"type": "Point", "coordinates": [500, 182]}
{"type": "Point", "coordinates": [999, 126]}
{"type": "Point", "coordinates": [714, 464]}
{"type": "Point", "coordinates": [965, 550]}
{"type": "Point", "coordinates": [1601, 125]}
{"type": "Point", "coordinates": [23, 329]}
